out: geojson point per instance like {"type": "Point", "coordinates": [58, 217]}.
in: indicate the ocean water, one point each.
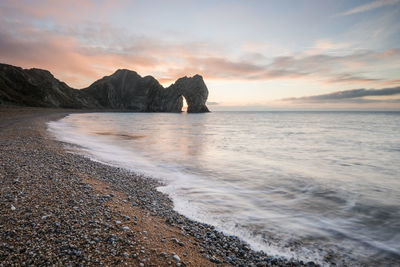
{"type": "Point", "coordinates": [320, 186]}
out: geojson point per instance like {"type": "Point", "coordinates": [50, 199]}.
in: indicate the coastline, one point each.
{"type": "Point", "coordinates": [61, 208]}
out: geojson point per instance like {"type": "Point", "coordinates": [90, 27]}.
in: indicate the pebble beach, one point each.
{"type": "Point", "coordinates": [60, 208]}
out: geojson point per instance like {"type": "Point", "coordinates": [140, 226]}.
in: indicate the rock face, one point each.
{"type": "Point", "coordinates": [123, 90]}
{"type": "Point", "coordinates": [39, 88]}
{"type": "Point", "coordinates": [127, 90]}
{"type": "Point", "coordinates": [195, 92]}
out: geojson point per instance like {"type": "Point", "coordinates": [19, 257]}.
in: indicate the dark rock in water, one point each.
{"type": "Point", "coordinates": [123, 90]}
{"type": "Point", "coordinates": [195, 92]}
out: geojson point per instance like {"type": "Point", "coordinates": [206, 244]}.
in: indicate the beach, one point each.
{"type": "Point", "coordinates": [62, 208]}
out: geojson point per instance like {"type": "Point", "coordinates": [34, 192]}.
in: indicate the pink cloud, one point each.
{"type": "Point", "coordinates": [80, 55]}
{"type": "Point", "coordinates": [66, 57]}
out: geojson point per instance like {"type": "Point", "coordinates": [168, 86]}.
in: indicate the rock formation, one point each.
{"type": "Point", "coordinates": [195, 92]}
{"type": "Point", "coordinates": [39, 88]}
{"type": "Point", "coordinates": [123, 90]}
{"type": "Point", "coordinates": [127, 90]}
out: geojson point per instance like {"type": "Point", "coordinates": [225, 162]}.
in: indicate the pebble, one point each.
{"type": "Point", "coordinates": [176, 258]}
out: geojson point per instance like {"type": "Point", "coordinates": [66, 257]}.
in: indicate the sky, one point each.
{"type": "Point", "coordinates": [253, 55]}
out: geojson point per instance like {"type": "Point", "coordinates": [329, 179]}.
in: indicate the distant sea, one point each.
{"type": "Point", "coordinates": [320, 186]}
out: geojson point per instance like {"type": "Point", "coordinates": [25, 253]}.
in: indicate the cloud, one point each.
{"type": "Point", "coordinates": [80, 56]}
{"type": "Point", "coordinates": [81, 53]}
{"type": "Point", "coordinates": [370, 6]}
{"type": "Point", "coordinates": [212, 103]}
{"type": "Point", "coordinates": [69, 59]}
{"type": "Point", "coordinates": [325, 68]}
{"type": "Point", "coordinates": [350, 78]}
{"type": "Point", "coordinates": [356, 95]}
{"type": "Point", "coordinates": [322, 46]}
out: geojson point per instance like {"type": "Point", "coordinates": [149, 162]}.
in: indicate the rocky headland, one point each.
{"type": "Point", "coordinates": [124, 90]}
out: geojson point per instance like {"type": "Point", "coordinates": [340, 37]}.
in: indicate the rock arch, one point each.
{"type": "Point", "coordinates": [195, 92]}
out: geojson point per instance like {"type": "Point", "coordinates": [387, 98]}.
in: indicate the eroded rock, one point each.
{"type": "Point", "coordinates": [123, 90]}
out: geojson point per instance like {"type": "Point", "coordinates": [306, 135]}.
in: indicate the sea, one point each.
{"type": "Point", "coordinates": [320, 186]}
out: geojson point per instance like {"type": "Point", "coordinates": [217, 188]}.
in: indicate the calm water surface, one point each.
{"type": "Point", "coordinates": [289, 183]}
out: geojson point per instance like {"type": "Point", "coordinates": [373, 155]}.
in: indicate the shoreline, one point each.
{"type": "Point", "coordinates": [61, 208]}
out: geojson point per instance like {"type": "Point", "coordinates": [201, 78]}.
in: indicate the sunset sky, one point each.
{"type": "Point", "coordinates": [252, 54]}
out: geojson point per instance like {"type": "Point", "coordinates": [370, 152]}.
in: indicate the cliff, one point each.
{"type": "Point", "coordinates": [123, 90]}
{"type": "Point", "coordinates": [39, 88]}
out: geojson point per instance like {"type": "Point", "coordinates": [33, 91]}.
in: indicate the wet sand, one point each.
{"type": "Point", "coordinates": [61, 208]}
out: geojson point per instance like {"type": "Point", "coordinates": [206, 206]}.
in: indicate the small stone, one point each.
{"type": "Point", "coordinates": [13, 208]}
{"type": "Point", "coordinates": [125, 228]}
{"type": "Point", "coordinates": [176, 258]}
{"type": "Point", "coordinates": [117, 222]}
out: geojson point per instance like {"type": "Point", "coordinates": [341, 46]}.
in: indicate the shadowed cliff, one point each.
{"type": "Point", "coordinates": [123, 90]}
{"type": "Point", "coordinates": [39, 88]}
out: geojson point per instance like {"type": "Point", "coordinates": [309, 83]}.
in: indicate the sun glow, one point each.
{"type": "Point", "coordinates": [184, 105]}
